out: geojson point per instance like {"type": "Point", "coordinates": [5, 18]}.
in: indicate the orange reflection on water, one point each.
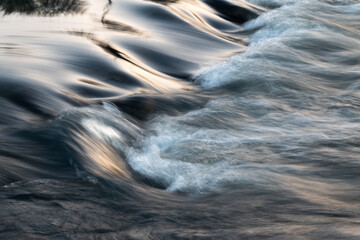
{"type": "Point", "coordinates": [101, 159]}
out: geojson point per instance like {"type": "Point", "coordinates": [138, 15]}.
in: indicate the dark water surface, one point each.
{"type": "Point", "coordinates": [179, 119]}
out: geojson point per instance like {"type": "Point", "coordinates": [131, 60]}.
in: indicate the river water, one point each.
{"type": "Point", "coordinates": [179, 119]}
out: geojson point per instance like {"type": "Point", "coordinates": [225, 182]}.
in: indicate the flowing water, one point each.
{"type": "Point", "coordinates": [180, 119]}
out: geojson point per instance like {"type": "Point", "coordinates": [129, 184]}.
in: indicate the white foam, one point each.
{"type": "Point", "coordinates": [273, 55]}
{"type": "Point", "coordinates": [241, 139]}
{"type": "Point", "coordinates": [221, 144]}
{"type": "Point", "coordinates": [270, 3]}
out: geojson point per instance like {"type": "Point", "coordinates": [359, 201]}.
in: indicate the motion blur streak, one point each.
{"type": "Point", "coordinates": [177, 119]}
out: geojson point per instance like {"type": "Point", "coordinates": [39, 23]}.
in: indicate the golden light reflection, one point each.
{"type": "Point", "coordinates": [154, 78]}
{"type": "Point", "coordinates": [101, 159]}
{"type": "Point", "coordinates": [186, 11]}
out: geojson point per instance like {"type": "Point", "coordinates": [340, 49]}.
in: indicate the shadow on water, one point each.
{"type": "Point", "coordinates": [43, 7]}
{"type": "Point", "coordinates": [116, 124]}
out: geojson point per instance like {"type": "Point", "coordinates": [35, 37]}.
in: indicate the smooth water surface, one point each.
{"type": "Point", "coordinates": [178, 119]}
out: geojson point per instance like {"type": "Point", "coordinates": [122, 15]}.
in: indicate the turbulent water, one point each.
{"type": "Point", "coordinates": [179, 119]}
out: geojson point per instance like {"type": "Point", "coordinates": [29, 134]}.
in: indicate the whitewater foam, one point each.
{"type": "Point", "coordinates": [290, 44]}
{"type": "Point", "coordinates": [248, 138]}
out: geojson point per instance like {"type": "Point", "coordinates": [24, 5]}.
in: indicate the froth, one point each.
{"type": "Point", "coordinates": [292, 41]}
